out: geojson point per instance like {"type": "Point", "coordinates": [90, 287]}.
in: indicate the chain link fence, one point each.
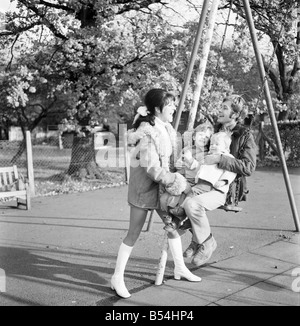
{"type": "Point", "coordinates": [9, 152]}
{"type": "Point", "coordinates": [51, 158]}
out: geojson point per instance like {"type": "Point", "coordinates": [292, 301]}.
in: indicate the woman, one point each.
{"type": "Point", "coordinates": [155, 141]}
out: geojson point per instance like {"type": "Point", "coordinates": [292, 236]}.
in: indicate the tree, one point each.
{"type": "Point", "coordinates": [279, 21]}
{"type": "Point", "coordinates": [98, 56]}
{"type": "Point", "coordinates": [91, 59]}
{"type": "Point", "coordinates": [23, 99]}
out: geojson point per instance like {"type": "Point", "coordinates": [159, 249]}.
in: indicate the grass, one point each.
{"type": "Point", "coordinates": [50, 165]}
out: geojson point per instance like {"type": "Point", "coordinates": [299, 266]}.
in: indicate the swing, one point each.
{"type": "Point", "coordinates": [231, 204]}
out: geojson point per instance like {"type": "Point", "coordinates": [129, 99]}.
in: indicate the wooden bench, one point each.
{"type": "Point", "coordinates": [13, 185]}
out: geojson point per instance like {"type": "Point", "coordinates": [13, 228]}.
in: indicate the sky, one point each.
{"type": "Point", "coordinates": [6, 5]}
{"type": "Point", "coordinates": [178, 5]}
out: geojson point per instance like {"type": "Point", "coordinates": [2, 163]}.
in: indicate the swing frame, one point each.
{"type": "Point", "coordinates": [265, 87]}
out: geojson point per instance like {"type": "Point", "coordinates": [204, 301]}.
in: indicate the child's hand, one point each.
{"type": "Point", "coordinates": [219, 184]}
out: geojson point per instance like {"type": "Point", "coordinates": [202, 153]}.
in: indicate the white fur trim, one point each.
{"type": "Point", "coordinates": [178, 186]}
{"type": "Point", "coordinates": [145, 129]}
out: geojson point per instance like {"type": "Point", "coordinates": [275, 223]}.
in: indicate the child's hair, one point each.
{"type": "Point", "coordinates": [155, 98]}
{"type": "Point", "coordinates": [238, 106]}
{"type": "Point", "coordinates": [190, 136]}
{"type": "Point", "coordinates": [225, 136]}
{"type": "Point", "coordinates": [203, 127]}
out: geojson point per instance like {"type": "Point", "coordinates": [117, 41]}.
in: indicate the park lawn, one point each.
{"type": "Point", "coordinates": [50, 165]}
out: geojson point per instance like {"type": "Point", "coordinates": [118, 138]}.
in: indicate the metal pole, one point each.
{"type": "Point", "coordinates": [271, 112]}
{"type": "Point", "coordinates": [162, 261]}
{"type": "Point", "coordinates": [30, 171]}
{"type": "Point", "coordinates": [191, 63]}
{"type": "Point", "coordinates": [203, 63]}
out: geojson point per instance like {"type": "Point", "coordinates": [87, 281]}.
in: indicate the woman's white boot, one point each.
{"type": "Point", "coordinates": [117, 280]}
{"type": "Point", "coordinates": [180, 269]}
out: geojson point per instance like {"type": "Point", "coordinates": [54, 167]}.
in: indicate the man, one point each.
{"type": "Point", "coordinates": [243, 148]}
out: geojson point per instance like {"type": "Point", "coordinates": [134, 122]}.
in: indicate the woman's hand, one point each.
{"type": "Point", "coordinates": [212, 159]}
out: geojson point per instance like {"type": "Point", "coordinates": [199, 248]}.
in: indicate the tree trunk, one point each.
{"type": "Point", "coordinates": [21, 150]}
{"type": "Point", "coordinates": [83, 159]}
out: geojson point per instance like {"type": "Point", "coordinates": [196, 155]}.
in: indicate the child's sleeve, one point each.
{"type": "Point", "coordinates": [228, 177]}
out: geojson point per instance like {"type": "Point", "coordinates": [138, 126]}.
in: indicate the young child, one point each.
{"type": "Point", "coordinates": [198, 149]}
{"type": "Point", "coordinates": [207, 178]}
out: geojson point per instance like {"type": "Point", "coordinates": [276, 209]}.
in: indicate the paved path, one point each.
{"type": "Point", "coordinates": [63, 252]}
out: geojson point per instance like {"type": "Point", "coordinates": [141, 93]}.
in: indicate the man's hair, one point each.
{"type": "Point", "coordinates": [238, 106]}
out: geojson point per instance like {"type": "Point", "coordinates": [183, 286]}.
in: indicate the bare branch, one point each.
{"type": "Point", "coordinates": [137, 58]}
{"type": "Point", "coordinates": [20, 29]}
{"type": "Point", "coordinates": [57, 6]}
{"type": "Point", "coordinates": [44, 20]}
{"type": "Point", "coordinates": [272, 74]}
{"type": "Point", "coordinates": [12, 53]}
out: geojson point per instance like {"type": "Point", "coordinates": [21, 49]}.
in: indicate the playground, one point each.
{"type": "Point", "coordinates": [62, 252]}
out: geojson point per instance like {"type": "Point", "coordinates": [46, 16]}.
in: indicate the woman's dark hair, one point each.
{"type": "Point", "coordinates": [155, 98]}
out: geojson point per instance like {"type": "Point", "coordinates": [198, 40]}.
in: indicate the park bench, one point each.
{"type": "Point", "coordinates": [13, 185]}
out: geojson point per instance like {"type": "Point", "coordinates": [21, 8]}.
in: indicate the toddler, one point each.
{"type": "Point", "coordinates": [206, 178]}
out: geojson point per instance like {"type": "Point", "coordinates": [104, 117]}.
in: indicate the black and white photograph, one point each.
{"type": "Point", "coordinates": [149, 156]}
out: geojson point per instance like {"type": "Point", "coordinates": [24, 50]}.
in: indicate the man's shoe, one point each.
{"type": "Point", "coordinates": [204, 251]}
{"type": "Point", "coordinates": [190, 251]}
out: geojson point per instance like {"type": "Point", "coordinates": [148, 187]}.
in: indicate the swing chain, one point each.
{"type": "Point", "coordinates": [219, 54]}
{"type": "Point", "coordinates": [221, 47]}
